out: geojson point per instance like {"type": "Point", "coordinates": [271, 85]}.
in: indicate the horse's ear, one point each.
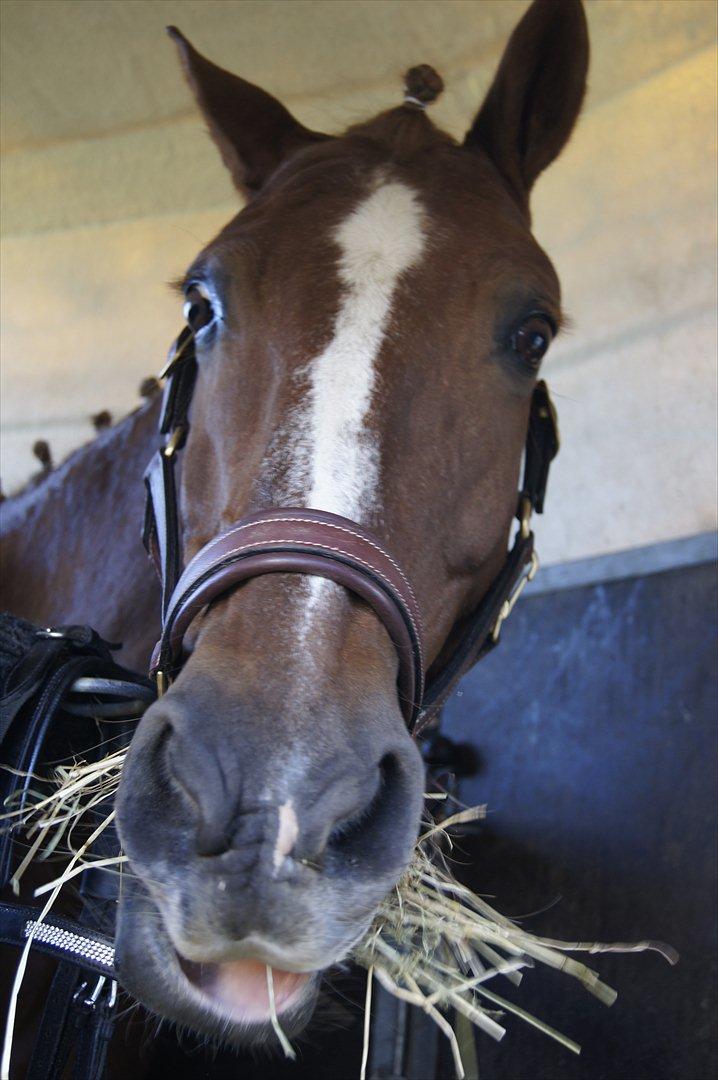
{"type": "Point", "coordinates": [536, 96]}
{"type": "Point", "coordinates": [254, 132]}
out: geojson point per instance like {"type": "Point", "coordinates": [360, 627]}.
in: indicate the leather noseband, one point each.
{"type": "Point", "coordinates": [299, 541]}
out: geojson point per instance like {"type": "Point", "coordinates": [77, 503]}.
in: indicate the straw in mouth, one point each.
{"type": "Point", "coordinates": [239, 989]}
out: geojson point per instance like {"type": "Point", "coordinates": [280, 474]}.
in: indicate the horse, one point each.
{"type": "Point", "coordinates": [368, 333]}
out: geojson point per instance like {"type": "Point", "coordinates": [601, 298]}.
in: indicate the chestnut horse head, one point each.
{"type": "Point", "coordinates": [368, 333]}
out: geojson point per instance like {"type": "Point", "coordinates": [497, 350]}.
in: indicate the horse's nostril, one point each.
{"type": "Point", "coordinates": [211, 839]}
{"type": "Point", "coordinates": [161, 754]}
{"type": "Point", "coordinates": [344, 830]}
{"type": "Point", "coordinates": [203, 782]}
{"type": "Point", "coordinates": [331, 815]}
{"type": "Point", "coordinates": [367, 837]}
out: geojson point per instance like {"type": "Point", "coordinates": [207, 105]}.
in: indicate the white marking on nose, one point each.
{"type": "Point", "coordinates": [287, 833]}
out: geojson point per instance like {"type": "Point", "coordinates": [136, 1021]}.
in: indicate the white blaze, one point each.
{"type": "Point", "coordinates": [338, 457]}
{"type": "Point", "coordinates": [378, 242]}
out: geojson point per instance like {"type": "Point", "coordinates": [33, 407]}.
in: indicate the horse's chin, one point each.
{"type": "Point", "coordinates": [226, 1001]}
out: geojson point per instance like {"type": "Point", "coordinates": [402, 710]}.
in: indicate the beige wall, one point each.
{"type": "Point", "coordinates": [110, 186]}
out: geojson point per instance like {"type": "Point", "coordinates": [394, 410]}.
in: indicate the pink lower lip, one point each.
{"type": "Point", "coordinates": [239, 987]}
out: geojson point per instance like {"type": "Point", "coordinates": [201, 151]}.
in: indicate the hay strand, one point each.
{"type": "Point", "coordinates": [432, 938]}
{"type": "Point", "coordinates": [367, 1024]}
{"type": "Point", "coordinates": [283, 1040]}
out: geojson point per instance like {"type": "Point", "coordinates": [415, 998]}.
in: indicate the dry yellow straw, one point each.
{"type": "Point", "coordinates": [367, 1024]}
{"type": "Point", "coordinates": [22, 965]}
{"type": "Point", "coordinates": [432, 937]}
{"type": "Point", "coordinates": [283, 1040]}
{"type": "Point", "coordinates": [432, 943]}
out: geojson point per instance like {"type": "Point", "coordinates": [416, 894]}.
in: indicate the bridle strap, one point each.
{"type": "Point", "coordinates": [481, 632]}
{"type": "Point", "coordinates": [542, 445]}
{"type": "Point", "coordinates": [316, 543]}
{"type": "Point", "coordinates": [161, 532]}
{"type": "Point", "coordinates": [97, 953]}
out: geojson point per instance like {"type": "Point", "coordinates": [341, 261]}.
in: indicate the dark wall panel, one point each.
{"type": "Point", "coordinates": [596, 728]}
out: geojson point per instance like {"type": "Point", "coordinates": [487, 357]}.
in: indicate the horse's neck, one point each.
{"type": "Point", "coordinates": [71, 548]}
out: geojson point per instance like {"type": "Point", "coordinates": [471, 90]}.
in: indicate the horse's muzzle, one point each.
{"type": "Point", "coordinates": [256, 846]}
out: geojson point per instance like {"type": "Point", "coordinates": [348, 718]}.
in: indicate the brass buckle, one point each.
{"type": "Point", "coordinates": [510, 602]}
{"type": "Point", "coordinates": [525, 517]}
{"type": "Point", "coordinates": [170, 447]}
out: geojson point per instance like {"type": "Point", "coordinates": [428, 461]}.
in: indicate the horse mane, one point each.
{"type": "Point", "coordinates": [402, 131]}
{"type": "Point", "coordinates": [107, 439]}
{"type": "Point", "coordinates": [406, 129]}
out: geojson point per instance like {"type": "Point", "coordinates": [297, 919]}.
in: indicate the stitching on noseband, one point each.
{"type": "Point", "coordinates": [325, 525]}
{"type": "Point", "coordinates": [326, 547]}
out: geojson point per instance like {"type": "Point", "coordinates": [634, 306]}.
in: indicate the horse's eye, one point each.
{"type": "Point", "coordinates": [531, 339]}
{"type": "Point", "coordinates": [197, 309]}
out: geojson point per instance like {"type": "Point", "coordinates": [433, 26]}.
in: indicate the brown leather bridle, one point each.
{"type": "Point", "coordinates": [297, 540]}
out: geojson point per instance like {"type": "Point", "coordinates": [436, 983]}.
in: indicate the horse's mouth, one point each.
{"type": "Point", "coordinates": [240, 989]}
{"type": "Point", "coordinates": [225, 1000]}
